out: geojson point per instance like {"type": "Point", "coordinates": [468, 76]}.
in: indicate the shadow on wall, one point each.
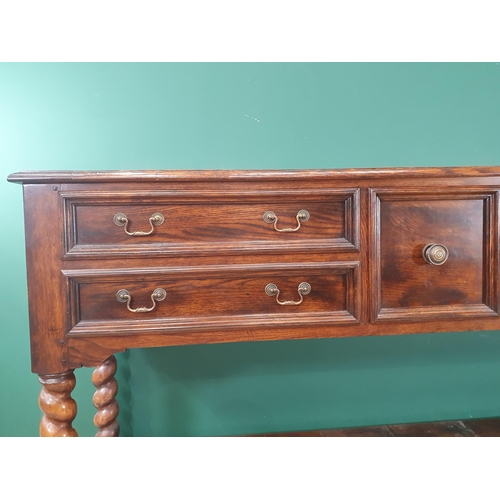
{"type": "Point", "coordinates": [302, 356]}
{"type": "Point", "coordinates": [230, 386]}
{"type": "Point", "coordinates": [125, 396]}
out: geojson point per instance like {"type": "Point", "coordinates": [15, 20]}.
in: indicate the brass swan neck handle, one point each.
{"type": "Point", "coordinates": [157, 295]}
{"type": "Point", "coordinates": [303, 289]}
{"type": "Point", "coordinates": [156, 219]}
{"type": "Point", "coordinates": [271, 218]}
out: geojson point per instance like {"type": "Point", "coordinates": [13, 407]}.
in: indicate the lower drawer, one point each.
{"type": "Point", "coordinates": [132, 301]}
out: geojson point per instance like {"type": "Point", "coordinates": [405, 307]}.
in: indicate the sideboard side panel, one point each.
{"type": "Point", "coordinates": [46, 288]}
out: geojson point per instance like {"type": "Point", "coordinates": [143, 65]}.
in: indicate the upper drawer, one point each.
{"type": "Point", "coordinates": [127, 224]}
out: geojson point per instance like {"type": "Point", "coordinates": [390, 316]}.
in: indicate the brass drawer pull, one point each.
{"type": "Point", "coordinates": [156, 219]}
{"type": "Point", "coordinates": [271, 217]}
{"type": "Point", "coordinates": [303, 289]}
{"type": "Point", "coordinates": [435, 254]}
{"type": "Point", "coordinates": [124, 296]}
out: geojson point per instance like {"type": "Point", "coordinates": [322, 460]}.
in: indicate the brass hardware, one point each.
{"type": "Point", "coordinates": [435, 254]}
{"type": "Point", "coordinates": [271, 217]}
{"type": "Point", "coordinates": [124, 296]}
{"type": "Point", "coordinates": [303, 289]}
{"type": "Point", "coordinates": [156, 219]}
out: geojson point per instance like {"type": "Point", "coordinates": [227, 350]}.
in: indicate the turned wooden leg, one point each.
{"type": "Point", "coordinates": [104, 398]}
{"type": "Point", "coordinates": [59, 408]}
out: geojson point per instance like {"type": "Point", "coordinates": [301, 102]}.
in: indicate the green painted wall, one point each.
{"type": "Point", "coordinates": [249, 116]}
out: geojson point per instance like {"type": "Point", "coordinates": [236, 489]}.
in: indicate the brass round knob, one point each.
{"type": "Point", "coordinates": [435, 254]}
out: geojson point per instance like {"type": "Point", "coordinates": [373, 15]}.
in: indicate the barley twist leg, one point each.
{"type": "Point", "coordinates": [58, 407]}
{"type": "Point", "coordinates": [104, 400]}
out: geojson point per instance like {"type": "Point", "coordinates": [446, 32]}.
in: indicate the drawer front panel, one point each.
{"type": "Point", "coordinates": [460, 279]}
{"type": "Point", "coordinates": [213, 297]}
{"type": "Point", "coordinates": [203, 224]}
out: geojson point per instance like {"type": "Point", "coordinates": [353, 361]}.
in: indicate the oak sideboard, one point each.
{"type": "Point", "coordinates": [124, 259]}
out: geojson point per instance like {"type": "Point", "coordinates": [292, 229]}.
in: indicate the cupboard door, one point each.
{"type": "Point", "coordinates": [434, 253]}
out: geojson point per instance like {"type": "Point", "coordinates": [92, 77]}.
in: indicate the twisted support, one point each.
{"type": "Point", "coordinates": [104, 400]}
{"type": "Point", "coordinates": [58, 407]}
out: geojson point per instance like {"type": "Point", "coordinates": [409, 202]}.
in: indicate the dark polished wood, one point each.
{"type": "Point", "coordinates": [104, 400]}
{"type": "Point", "coordinates": [215, 176]}
{"type": "Point", "coordinates": [57, 405]}
{"type": "Point", "coordinates": [196, 221]}
{"type": "Point", "coordinates": [212, 298]}
{"type": "Point", "coordinates": [465, 221]}
{"type": "Point", "coordinates": [488, 427]}
{"type": "Point", "coordinates": [360, 252]}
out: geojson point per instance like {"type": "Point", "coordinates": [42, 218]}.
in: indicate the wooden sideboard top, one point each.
{"type": "Point", "coordinates": [76, 176]}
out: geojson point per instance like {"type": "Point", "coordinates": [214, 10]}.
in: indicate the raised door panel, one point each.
{"type": "Point", "coordinates": [409, 283]}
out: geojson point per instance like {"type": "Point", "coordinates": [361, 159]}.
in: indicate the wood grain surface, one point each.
{"type": "Point", "coordinates": [360, 251]}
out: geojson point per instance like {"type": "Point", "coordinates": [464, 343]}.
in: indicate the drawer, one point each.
{"type": "Point", "coordinates": [128, 224]}
{"type": "Point", "coordinates": [453, 278]}
{"type": "Point", "coordinates": [212, 297]}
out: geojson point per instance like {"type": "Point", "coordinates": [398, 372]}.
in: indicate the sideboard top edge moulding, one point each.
{"type": "Point", "coordinates": [75, 176]}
